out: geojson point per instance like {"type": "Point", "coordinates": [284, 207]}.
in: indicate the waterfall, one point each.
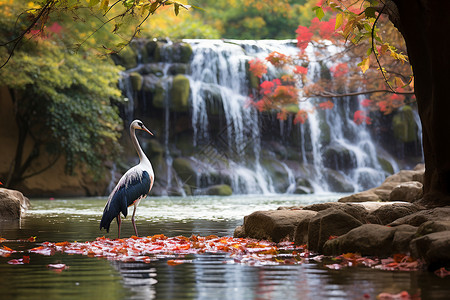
{"type": "Point", "coordinates": [252, 152]}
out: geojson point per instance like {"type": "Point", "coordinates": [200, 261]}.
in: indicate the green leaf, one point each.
{"type": "Point", "coordinates": [93, 3]}
{"type": "Point", "coordinates": [153, 7]}
{"type": "Point", "coordinates": [319, 12]}
{"type": "Point", "coordinates": [370, 12]}
{"type": "Point", "coordinates": [176, 8]}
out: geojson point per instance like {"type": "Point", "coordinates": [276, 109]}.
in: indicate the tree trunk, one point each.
{"type": "Point", "coordinates": [425, 26]}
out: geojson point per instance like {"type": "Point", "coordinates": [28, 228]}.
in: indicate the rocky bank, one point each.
{"type": "Point", "coordinates": [378, 222]}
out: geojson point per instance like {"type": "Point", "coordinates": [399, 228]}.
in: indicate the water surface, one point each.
{"type": "Point", "coordinates": [209, 276]}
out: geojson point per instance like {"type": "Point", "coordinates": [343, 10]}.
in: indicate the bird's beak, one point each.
{"type": "Point", "coordinates": [145, 128]}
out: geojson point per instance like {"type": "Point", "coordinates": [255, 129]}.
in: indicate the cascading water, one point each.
{"type": "Point", "coordinates": [235, 144]}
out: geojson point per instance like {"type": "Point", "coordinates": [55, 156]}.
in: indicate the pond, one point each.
{"type": "Point", "coordinates": [208, 276]}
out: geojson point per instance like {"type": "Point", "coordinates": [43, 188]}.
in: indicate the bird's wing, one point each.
{"type": "Point", "coordinates": [133, 185]}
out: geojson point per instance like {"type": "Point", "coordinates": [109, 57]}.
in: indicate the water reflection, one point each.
{"type": "Point", "coordinates": [138, 277]}
{"type": "Point", "coordinates": [207, 276]}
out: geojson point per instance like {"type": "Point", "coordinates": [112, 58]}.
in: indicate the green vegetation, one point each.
{"type": "Point", "coordinates": [63, 101]}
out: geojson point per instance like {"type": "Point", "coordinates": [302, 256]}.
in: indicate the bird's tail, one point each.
{"type": "Point", "coordinates": [110, 212]}
{"type": "Point", "coordinates": [115, 205]}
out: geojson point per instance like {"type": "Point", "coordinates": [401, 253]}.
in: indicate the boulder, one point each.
{"type": "Point", "coordinates": [220, 190]}
{"type": "Point", "coordinates": [388, 213]}
{"type": "Point", "coordinates": [433, 248]}
{"type": "Point", "coordinates": [367, 239]}
{"type": "Point", "coordinates": [364, 196]}
{"type": "Point", "coordinates": [383, 192]}
{"type": "Point", "coordinates": [13, 204]}
{"type": "Point", "coordinates": [328, 223]}
{"type": "Point", "coordinates": [432, 227]}
{"type": "Point", "coordinates": [422, 216]}
{"type": "Point", "coordinates": [402, 237]}
{"type": "Point", "coordinates": [409, 191]}
{"type": "Point", "coordinates": [273, 225]}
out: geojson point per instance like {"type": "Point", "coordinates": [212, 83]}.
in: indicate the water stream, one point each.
{"type": "Point", "coordinates": [208, 276]}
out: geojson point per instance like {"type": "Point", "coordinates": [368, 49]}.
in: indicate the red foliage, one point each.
{"type": "Point", "coordinates": [257, 67]}
{"type": "Point", "coordinates": [304, 36]}
{"type": "Point", "coordinates": [267, 87]}
{"type": "Point", "coordinates": [300, 70]}
{"type": "Point", "coordinates": [339, 70]}
{"type": "Point", "coordinates": [301, 117]}
{"type": "Point", "coordinates": [366, 102]}
{"type": "Point", "coordinates": [277, 59]}
{"type": "Point", "coordinates": [360, 117]}
{"type": "Point", "coordinates": [326, 105]}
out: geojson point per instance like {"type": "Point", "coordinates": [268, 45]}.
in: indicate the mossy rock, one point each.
{"type": "Point", "coordinates": [127, 58]}
{"type": "Point", "coordinates": [178, 68]}
{"type": "Point", "coordinates": [404, 125]}
{"type": "Point", "coordinates": [151, 47]}
{"type": "Point", "coordinates": [136, 81]}
{"type": "Point", "coordinates": [186, 171]}
{"type": "Point", "coordinates": [252, 79]}
{"type": "Point", "coordinates": [386, 165]}
{"type": "Point", "coordinates": [220, 190]}
{"type": "Point", "coordinates": [179, 94]}
{"type": "Point", "coordinates": [183, 52]}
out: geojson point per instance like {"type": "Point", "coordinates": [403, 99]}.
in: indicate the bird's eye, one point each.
{"type": "Point", "coordinates": [140, 124]}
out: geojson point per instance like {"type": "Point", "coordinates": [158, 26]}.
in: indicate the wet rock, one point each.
{"type": "Point", "coordinates": [388, 213]}
{"type": "Point", "coordinates": [337, 157]}
{"type": "Point", "coordinates": [337, 182]}
{"type": "Point", "coordinates": [402, 237]}
{"type": "Point", "coordinates": [13, 204]}
{"type": "Point", "coordinates": [273, 225]}
{"type": "Point", "coordinates": [432, 227]}
{"type": "Point", "coordinates": [407, 191]}
{"type": "Point", "coordinates": [383, 192]}
{"type": "Point", "coordinates": [368, 239]}
{"type": "Point", "coordinates": [433, 248]}
{"type": "Point", "coordinates": [420, 217]}
{"type": "Point", "coordinates": [328, 223]}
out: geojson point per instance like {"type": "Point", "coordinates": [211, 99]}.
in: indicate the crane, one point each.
{"type": "Point", "coordinates": [132, 187]}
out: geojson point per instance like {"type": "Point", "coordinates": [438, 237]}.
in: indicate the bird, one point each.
{"type": "Point", "coordinates": [132, 187]}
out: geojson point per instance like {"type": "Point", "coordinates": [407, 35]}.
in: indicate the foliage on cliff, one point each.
{"type": "Point", "coordinates": [62, 100]}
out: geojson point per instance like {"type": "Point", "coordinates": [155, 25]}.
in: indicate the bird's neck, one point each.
{"type": "Point", "coordinates": [141, 154]}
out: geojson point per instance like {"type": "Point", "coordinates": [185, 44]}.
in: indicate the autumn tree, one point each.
{"type": "Point", "coordinates": [62, 101]}
{"type": "Point", "coordinates": [423, 25]}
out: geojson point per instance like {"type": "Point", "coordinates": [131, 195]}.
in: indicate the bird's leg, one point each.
{"type": "Point", "coordinates": [132, 221]}
{"type": "Point", "coordinates": [119, 221]}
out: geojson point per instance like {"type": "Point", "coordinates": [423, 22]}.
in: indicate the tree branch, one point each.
{"type": "Point", "coordinates": [333, 95]}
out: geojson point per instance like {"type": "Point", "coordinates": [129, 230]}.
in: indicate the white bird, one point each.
{"type": "Point", "coordinates": [134, 185]}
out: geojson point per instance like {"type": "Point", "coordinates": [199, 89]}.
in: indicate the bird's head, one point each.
{"type": "Point", "coordinates": [137, 124]}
